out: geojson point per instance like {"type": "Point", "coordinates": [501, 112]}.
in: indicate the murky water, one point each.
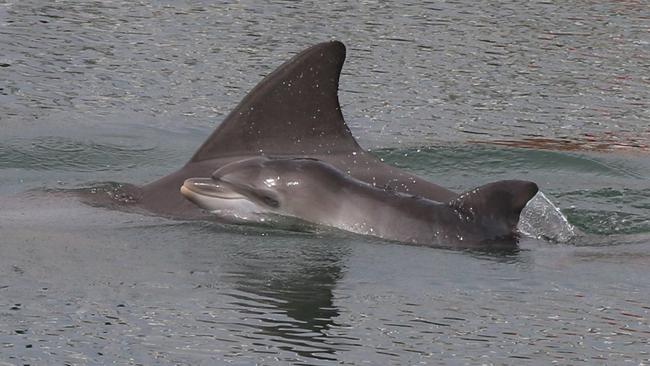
{"type": "Point", "coordinates": [125, 91]}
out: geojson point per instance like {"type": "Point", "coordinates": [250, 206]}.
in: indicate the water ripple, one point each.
{"type": "Point", "coordinates": [59, 153]}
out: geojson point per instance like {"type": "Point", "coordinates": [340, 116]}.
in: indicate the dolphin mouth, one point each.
{"type": "Point", "coordinates": [208, 187]}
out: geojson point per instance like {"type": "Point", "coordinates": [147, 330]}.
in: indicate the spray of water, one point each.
{"type": "Point", "coordinates": [541, 219]}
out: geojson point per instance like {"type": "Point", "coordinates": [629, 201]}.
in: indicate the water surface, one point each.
{"type": "Point", "coordinates": [462, 93]}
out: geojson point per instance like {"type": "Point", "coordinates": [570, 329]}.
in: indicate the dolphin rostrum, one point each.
{"type": "Point", "coordinates": [317, 192]}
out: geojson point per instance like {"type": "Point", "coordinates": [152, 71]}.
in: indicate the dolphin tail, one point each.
{"type": "Point", "coordinates": [496, 205]}
{"type": "Point", "coordinates": [293, 111]}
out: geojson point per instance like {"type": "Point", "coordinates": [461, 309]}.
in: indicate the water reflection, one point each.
{"type": "Point", "coordinates": [283, 285]}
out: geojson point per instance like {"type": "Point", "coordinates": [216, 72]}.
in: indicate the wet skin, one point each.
{"type": "Point", "coordinates": [317, 192]}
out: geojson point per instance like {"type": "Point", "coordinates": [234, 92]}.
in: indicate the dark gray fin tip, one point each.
{"type": "Point", "coordinates": [293, 111]}
{"type": "Point", "coordinates": [500, 201]}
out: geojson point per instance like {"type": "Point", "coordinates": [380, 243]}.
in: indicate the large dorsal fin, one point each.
{"type": "Point", "coordinates": [294, 111]}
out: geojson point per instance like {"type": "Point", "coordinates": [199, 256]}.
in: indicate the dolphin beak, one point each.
{"type": "Point", "coordinates": [208, 187]}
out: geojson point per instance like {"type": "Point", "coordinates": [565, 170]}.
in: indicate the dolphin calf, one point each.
{"type": "Point", "coordinates": [317, 192]}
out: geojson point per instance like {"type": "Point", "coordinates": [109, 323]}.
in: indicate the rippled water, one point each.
{"type": "Point", "coordinates": [463, 93]}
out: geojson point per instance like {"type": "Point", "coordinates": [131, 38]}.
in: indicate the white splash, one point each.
{"type": "Point", "coordinates": [541, 219]}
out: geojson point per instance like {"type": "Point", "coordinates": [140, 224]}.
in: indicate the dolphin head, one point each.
{"type": "Point", "coordinates": [256, 180]}
{"type": "Point", "coordinates": [262, 185]}
{"type": "Point", "coordinates": [220, 198]}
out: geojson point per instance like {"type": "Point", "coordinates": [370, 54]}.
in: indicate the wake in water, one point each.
{"type": "Point", "coordinates": [541, 219]}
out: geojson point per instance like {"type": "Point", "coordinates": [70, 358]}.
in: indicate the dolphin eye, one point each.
{"type": "Point", "coordinates": [270, 201]}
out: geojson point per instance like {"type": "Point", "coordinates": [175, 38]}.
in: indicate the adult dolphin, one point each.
{"type": "Point", "coordinates": [252, 190]}
{"type": "Point", "coordinates": [293, 112]}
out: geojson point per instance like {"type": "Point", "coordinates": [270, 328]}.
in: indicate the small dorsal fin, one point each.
{"type": "Point", "coordinates": [294, 111]}
{"type": "Point", "coordinates": [496, 204]}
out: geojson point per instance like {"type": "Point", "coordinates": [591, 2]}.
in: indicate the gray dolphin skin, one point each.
{"type": "Point", "coordinates": [293, 112]}
{"type": "Point", "coordinates": [317, 192]}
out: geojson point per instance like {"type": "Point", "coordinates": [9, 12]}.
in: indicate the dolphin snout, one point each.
{"type": "Point", "coordinates": [208, 187]}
